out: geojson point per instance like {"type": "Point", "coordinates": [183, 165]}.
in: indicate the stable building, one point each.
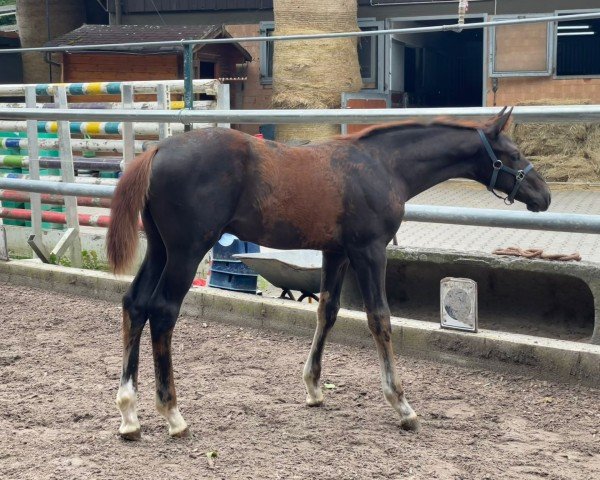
{"type": "Point", "coordinates": [480, 67]}
{"type": "Point", "coordinates": [225, 62]}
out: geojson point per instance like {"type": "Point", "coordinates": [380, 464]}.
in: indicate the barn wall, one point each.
{"type": "Point", "coordinates": [513, 91]}
{"type": "Point", "coordinates": [116, 67]}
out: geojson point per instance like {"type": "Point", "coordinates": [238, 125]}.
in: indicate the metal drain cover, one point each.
{"type": "Point", "coordinates": [3, 244]}
{"type": "Point", "coordinates": [458, 304]}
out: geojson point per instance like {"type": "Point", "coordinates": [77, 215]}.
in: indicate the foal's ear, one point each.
{"type": "Point", "coordinates": [499, 122]}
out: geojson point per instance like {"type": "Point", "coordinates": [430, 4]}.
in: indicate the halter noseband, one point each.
{"type": "Point", "coordinates": [499, 166]}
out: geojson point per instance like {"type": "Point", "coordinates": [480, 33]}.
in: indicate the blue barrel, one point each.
{"type": "Point", "coordinates": [228, 273]}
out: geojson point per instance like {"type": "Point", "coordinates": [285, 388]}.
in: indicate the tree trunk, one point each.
{"type": "Point", "coordinates": [65, 15]}
{"type": "Point", "coordinates": [313, 73]}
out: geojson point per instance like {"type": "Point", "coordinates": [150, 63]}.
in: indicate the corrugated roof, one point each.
{"type": "Point", "coordinates": [139, 6]}
{"type": "Point", "coordinates": [106, 34]}
{"type": "Point", "coordinates": [131, 6]}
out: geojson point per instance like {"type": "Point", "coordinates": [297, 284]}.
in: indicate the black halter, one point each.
{"type": "Point", "coordinates": [498, 166]}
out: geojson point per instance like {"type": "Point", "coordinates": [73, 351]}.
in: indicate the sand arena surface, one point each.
{"type": "Point", "coordinates": [241, 392]}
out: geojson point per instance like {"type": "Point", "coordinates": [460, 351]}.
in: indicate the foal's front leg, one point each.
{"type": "Point", "coordinates": [332, 276]}
{"type": "Point", "coordinates": [370, 264]}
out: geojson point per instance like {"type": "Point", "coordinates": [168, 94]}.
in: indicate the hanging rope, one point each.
{"type": "Point", "coordinates": [537, 253]}
{"type": "Point", "coordinates": [463, 6]}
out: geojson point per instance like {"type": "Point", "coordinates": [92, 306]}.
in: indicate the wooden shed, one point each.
{"type": "Point", "coordinates": [156, 62]}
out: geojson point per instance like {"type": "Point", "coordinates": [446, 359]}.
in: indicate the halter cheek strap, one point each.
{"type": "Point", "coordinates": [499, 166]}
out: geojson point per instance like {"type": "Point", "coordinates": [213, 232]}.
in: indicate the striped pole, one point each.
{"type": "Point", "coordinates": [52, 199]}
{"type": "Point", "coordinates": [56, 217]}
{"type": "Point", "coordinates": [54, 178]}
{"type": "Point", "coordinates": [109, 164]}
{"type": "Point", "coordinates": [208, 87]}
{"type": "Point", "coordinates": [175, 105]}
{"type": "Point", "coordinates": [89, 144]}
{"type": "Point", "coordinates": [93, 128]}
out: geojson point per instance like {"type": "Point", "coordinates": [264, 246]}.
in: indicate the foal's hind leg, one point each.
{"type": "Point", "coordinates": [164, 309]}
{"type": "Point", "coordinates": [134, 319]}
{"type": "Point", "coordinates": [334, 269]}
{"type": "Point", "coordinates": [370, 263]}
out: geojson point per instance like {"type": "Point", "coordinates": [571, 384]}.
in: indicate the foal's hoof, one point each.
{"type": "Point", "coordinates": [132, 436]}
{"type": "Point", "coordinates": [411, 423]}
{"type": "Point", "coordinates": [315, 401]}
{"type": "Point", "coordinates": [185, 433]}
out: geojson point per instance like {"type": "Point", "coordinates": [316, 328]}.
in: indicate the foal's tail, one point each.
{"type": "Point", "coordinates": [128, 200]}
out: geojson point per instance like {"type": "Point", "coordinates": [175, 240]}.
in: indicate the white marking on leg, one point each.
{"type": "Point", "coordinates": [391, 386]}
{"type": "Point", "coordinates": [126, 401]}
{"type": "Point", "coordinates": [177, 424]}
{"type": "Point", "coordinates": [314, 395]}
{"type": "Point", "coordinates": [313, 389]}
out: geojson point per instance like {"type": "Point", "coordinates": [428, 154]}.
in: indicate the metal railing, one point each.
{"type": "Point", "coordinates": [558, 222]}
{"type": "Point", "coordinates": [436, 28]}
{"type": "Point", "coordinates": [544, 114]}
{"type": "Point", "coordinates": [454, 215]}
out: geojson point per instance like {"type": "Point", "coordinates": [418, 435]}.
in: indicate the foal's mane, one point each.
{"type": "Point", "coordinates": [440, 121]}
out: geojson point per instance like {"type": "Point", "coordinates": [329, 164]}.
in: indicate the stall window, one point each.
{"type": "Point", "coordinates": [578, 48]}
{"type": "Point", "coordinates": [520, 50]}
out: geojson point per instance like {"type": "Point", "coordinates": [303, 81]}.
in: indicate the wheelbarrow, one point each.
{"type": "Point", "coordinates": [289, 270]}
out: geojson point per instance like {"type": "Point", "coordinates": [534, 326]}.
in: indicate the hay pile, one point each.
{"type": "Point", "coordinates": [313, 73]}
{"type": "Point", "coordinates": [561, 152]}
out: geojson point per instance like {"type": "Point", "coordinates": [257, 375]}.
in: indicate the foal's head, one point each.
{"type": "Point", "coordinates": [501, 166]}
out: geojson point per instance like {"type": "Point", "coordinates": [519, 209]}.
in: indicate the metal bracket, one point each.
{"type": "Point", "coordinates": [38, 247]}
{"type": "Point", "coordinates": [71, 234]}
{"type": "Point", "coordinates": [3, 244]}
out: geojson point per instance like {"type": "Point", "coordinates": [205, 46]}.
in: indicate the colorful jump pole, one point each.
{"type": "Point", "coordinates": [92, 128]}
{"type": "Point", "coordinates": [88, 144]}
{"type": "Point", "coordinates": [54, 178]}
{"type": "Point", "coordinates": [52, 199]}
{"type": "Point", "coordinates": [206, 86]}
{"type": "Point", "coordinates": [174, 105]}
{"type": "Point", "coordinates": [56, 217]}
{"type": "Point", "coordinates": [108, 164]}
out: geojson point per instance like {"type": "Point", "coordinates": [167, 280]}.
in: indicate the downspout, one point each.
{"type": "Point", "coordinates": [48, 55]}
{"type": "Point", "coordinates": [118, 12]}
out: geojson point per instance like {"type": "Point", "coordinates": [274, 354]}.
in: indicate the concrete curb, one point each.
{"type": "Point", "coordinates": [553, 359]}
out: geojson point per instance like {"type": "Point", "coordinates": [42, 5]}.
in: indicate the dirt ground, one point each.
{"type": "Point", "coordinates": [241, 392]}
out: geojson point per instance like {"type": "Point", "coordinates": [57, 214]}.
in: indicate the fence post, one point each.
{"type": "Point", "coordinates": [188, 81]}
{"type": "Point", "coordinates": [223, 101]}
{"type": "Point", "coordinates": [71, 236]}
{"type": "Point", "coordinates": [128, 133]}
{"type": "Point", "coordinates": [163, 102]}
{"type": "Point", "coordinates": [35, 240]}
